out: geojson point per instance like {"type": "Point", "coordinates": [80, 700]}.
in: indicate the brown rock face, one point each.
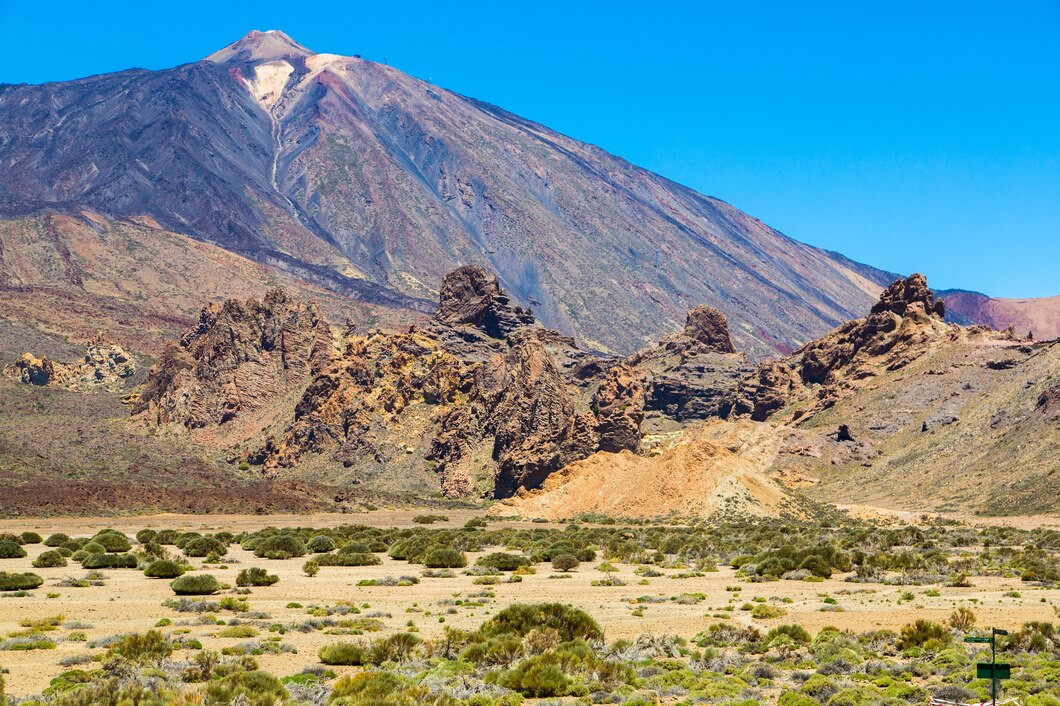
{"type": "Point", "coordinates": [901, 327]}
{"type": "Point", "coordinates": [710, 327]}
{"type": "Point", "coordinates": [472, 296]}
{"type": "Point", "coordinates": [238, 357]}
{"type": "Point", "coordinates": [103, 367]}
{"type": "Point", "coordinates": [619, 404]}
{"type": "Point", "coordinates": [910, 297]}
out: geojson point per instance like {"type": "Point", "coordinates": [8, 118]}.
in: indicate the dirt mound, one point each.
{"type": "Point", "coordinates": [708, 470]}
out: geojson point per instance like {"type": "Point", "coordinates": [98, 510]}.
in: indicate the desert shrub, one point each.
{"type": "Point", "coordinates": [796, 633]}
{"type": "Point", "coordinates": [398, 647]}
{"type": "Point", "coordinates": [151, 646]}
{"type": "Point", "coordinates": [195, 585]}
{"type": "Point", "coordinates": [146, 535]}
{"type": "Point", "coordinates": [112, 541]}
{"type": "Point", "coordinates": [10, 549]}
{"type": "Point", "coordinates": [164, 569]}
{"type": "Point", "coordinates": [110, 561]}
{"type": "Point", "coordinates": [347, 560]}
{"type": "Point", "coordinates": [565, 562]}
{"type": "Point", "coordinates": [280, 546]}
{"type": "Point", "coordinates": [444, 558]}
{"type": "Point", "coordinates": [344, 653]}
{"type": "Point", "coordinates": [240, 631]}
{"type": "Point", "coordinates": [502, 561]}
{"type": "Point", "coordinates": [31, 538]}
{"type": "Point", "coordinates": [537, 678]}
{"type": "Point", "coordinates": [92, 548]}
{"type": "Point", "coordinates": [520, 618]}
{"type": "Point", "coordinates": [476, 523]}
{"type": "Point", "coordinates": [167, 536]}
{"type": "Point", "coordinates": [367, 688]}
{"type": "Point", "coordinates": [252, 688]}
{"type": "Point", "coordinates": [204, 546]}
{"type": "Point", "coordinates": [19, 582]}
{"type": "Point", "coordinates": [429, 519]}
{"type": "Point", "coordinates": [320, 544]}
{"type": "Point", "coordinates": [256, 577]}
{"type": "Point", "coordinates": [962, 619]}
{"type": "Point", "coordinates": [56, 540]}
{"type": "Point", "coordinates": [49, 559]}
{"type": "Point", "coordinates": [922, 633]}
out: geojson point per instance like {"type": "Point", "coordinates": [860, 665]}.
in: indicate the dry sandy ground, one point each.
{"type": "Point", "coordinates": [131, 602]}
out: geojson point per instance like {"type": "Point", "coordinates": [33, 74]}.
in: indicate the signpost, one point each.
{"type": "Point", "coordinates": [992, 670]}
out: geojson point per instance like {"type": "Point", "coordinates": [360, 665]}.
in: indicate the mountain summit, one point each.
{"type": "Point", "coordinates": [260, 46]}
{"type": "Point", "coordinates": [352, 176]}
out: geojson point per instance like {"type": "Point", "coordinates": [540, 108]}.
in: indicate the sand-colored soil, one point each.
{"type": "Point", "coordinates": [704, 472]}
{"type": "Point", "coordinates": [131, 602]}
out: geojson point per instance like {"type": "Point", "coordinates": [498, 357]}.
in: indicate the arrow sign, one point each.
{"type": "Point", "coordinates": [990, 670]}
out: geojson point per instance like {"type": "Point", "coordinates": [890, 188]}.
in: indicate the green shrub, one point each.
{"type": "Point", "coordinates": [347, 560]}
{"type": "Point", "coordinates": [151, 646]}
{"type": "Point", "coordinates": [146, 535]}
{"type": "Point", "coordinates": [921, 633]}
{"type": "Point", "coordinates": [56, 540]}
{"type": "Point", "coordinates": [502, 561]}
{"type": "Point", "coordinates": [19, 582]}
{"type": "Point", "coordinates": [320, 544]}
{"type": "Point", "coordinates": [256, 577]}
{"type": "Point", "coordinates": [114, 542]}
{"type": "Point", "coordinates": [204, 546]}
{"type": "Point", "coordinates": [429, 519]}
{"type": "Point", "coordinates": [344, 653]}
{"type": "Point", "coordinates": [93, 548]}
{"type": "Point", "coordinates": [195, 585]}
{"type": "Point", "coordinates": [369, 688]}
{"type": "Point", "coordinates": [280, 546]}
{"type": "Point", "coordinates": [537, 678]}
{"type": "Point", "coordinates": [253, 688]}
{"type": "Point", "coordinates": [49, 559]}
{"type": "Point", "coordinates": [520, 618]}
{"type": "Point", "coordinates": [110, 561]}
{"type": "Point", "coordinates": [167, 536]}
{"type": "Point", "coordinates": [11, 550]}
{"type": "Point", "coordinates": [444, 558]}
{"type": "Point", "coordinates": [164, 569]}
{"type": "Point", "coordinates": [398, 647]}
{"type": "Point", "coordinates": [565, 562]}
{"type": "Point", "coordinates": [31, 538]}
{"type": "Point", "coordinates": [796, 633]}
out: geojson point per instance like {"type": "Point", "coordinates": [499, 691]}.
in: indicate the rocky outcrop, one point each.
{"type": "Point", "coordinates": [476, 395]}
{"type": "Point", "coordinates": [695, 374]}
{"type": "Point", "coordinates": [903, 325]}
{"type": "Point", "coordinates": [709, 326]}
{"type": "Point", "coordinates": [619, 404]}
{"type": "Point", "coordinates": [103, 367]}
{"type": "Point", "coordinates": [472, 296]}
{"type": "Point", "coordinates": [236, 359]}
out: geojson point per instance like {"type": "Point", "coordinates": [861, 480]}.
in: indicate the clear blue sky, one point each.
{"type": "Point", "coordinates": [908, 135]}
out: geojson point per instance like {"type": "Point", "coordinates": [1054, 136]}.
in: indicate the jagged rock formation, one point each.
{"type": "Point", "coordinates": [238, 358]}
{"type": "Point", "coordinates": [472, 296]}
{"type": "Point", "coordinates": [695, 374]}
{"type": "Point", "coordinates": [476, 395]}
{"type": "Point", "coordinates": [103, 367]}
{"type": "Point", "coordinates": [902, 326]}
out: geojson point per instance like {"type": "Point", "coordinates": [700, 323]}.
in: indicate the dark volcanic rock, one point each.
{"type": "Point", "coordinates": [470, 295]}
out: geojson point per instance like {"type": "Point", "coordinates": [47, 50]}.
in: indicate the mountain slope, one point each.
{"type": "Point", "coordinates": [358, 178]}
{"type": "Point", "coordinates": [1040, 316]}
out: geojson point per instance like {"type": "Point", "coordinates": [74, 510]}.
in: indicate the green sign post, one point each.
{"type": "Point", "coordinates": [992, 670]}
